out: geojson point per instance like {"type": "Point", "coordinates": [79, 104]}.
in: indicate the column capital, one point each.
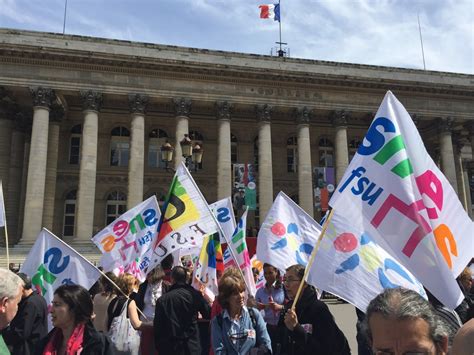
{"type": "Point", "coordinates": [91, 100]}
{"type": "Point", "coordinates": [302, 115]}
{"type": "Point", "coordinates": [42, 97]}
{"type": "Point", "coordinates": [224, 110]}
{"type": "Point", "coordinates": [182, 106]}
{"type": "Point", "coordinates": [445, 124]}
{"type": "Point", "coordinates": [138, 103]}
{"type": "Point", "coordinates": [57, 113]}
{"type": "Point", "coordinates": [340, 118]}
{"type": "Point", "coordinates": [264, 112]}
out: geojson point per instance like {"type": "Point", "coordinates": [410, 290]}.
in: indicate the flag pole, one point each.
{"type": "Point", "coordinates": [5, 224]}
{"type": "Point", "coordinates": [65, 10]}
{"type": "Point", "coordinates": [421, 41]}
{"type": "Point", "coordinates": [279, 25]}
{"type": "Point", "coordinates": [95, 267]}
{"type": "Point", "coordinates": [218, 225]}
{"type": "Point", "coordinates": [311, 259]}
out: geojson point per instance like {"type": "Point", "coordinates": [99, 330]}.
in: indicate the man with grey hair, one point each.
{"type": "Point", "coordinates": [11, 287]}
{"type": "Point", "coordinates": [400, 321]}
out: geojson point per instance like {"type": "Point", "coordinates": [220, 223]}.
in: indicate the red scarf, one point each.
{"type": "Point", "coordinates": [74, 344]}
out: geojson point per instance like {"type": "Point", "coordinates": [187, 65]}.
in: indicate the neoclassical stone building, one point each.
{"type": "Point", "coordinates": [82, 121]}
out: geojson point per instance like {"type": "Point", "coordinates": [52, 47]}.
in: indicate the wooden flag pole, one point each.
{"type": "Point", "coordinates": [311, 259]}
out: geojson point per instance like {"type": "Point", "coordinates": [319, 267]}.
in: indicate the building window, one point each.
{"type": "Point", "coordinates": [233, 149]}
{"type": "Point", "coordinates": [353, 146]}
{"type": "Point", "coordinates": [157, 138]}
{"type": "Point", "coordinates": [75, 145]}
{"type": "Point", "coordinates": [69, 214]}
{"type": "Point", "coordinates": [116, 206]}
{"type": "Point", "coordinates": [292, 155]}
{"type": "Point", "coordinates": [326, 153]}
{"type": "Point", "coordinates": [198, 138]}
{"type": "Point", "coordinates": [119, 146]}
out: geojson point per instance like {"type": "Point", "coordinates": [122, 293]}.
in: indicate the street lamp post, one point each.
{"type": "Point", "coordinates": [192, 153]}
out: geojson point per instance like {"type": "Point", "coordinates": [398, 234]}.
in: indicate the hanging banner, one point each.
{"type": "Point", "coordinates": [245, 187]}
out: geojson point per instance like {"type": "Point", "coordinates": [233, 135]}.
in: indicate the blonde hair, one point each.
{"type": "Point", "coordinates": [127, 282]}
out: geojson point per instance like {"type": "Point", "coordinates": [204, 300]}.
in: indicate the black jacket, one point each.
{"type": "Point", "coordinates": [94, 342]}
{"type": "Point", "coordinates": [29, 326]}
{"type": "Point", "coordinates": [140, 297]}
{"type": "Point", "coordinates": [326, 338]}
{"type": "Point", "coordinates": [175, 324]}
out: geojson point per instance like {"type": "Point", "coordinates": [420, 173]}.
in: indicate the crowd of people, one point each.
{"type": "Point", "coordinates": [166, 315]}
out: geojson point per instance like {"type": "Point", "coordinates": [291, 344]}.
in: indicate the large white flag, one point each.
{"type": "Point", "coordinates": [224, 213]}
{"type": "Point", "coordinates": [287, 236]}
{"type": "Point", "coordinates": [52, 263]}
{"type": "Point", "coordinates": [2, 207]}
{"type": "Point", "coordinates": [353, 267]}
{"type": "Point", "coordinates": [186, 220]}
{"type": "Point", "coordinates": [393, 191]}
{"type": "Point", "coordinates": [126, 242]}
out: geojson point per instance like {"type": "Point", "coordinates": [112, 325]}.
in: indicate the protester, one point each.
{"type": "Point", "coordinates": [102, 300]}
{"type": "Point", "coordinates": [30, 324]}
{"type": "Point", "coordinates": [175, 323]}
{"type": "Point", "coordinates": [148, 293]}
{"type": "Point", "coordinates": [10, 295]}
{"type": "Point", "coordinates": [464, 340]}
{"type": "Point", "coordinates": [311, 328]}
{"type": "Point", "coordinates": [449, 317]}
{"type": "Point", "coordinates": [363, 347]}
{"type": "Point", "coordinates": [73, 332]}
{"type": "Point", "coordinates": [400, 321]}
{"type": "Point", "coordinates": [466, 309]}
{"type": "Point", "coordinates": [238, 329]}
{"type": "Point", "coordinates": [270, 299]}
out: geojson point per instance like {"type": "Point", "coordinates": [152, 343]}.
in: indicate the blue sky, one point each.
{"type": "Point", "coordinates": [378, 32]}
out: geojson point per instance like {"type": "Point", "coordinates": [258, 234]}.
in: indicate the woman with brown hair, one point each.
{"type": "Point", "coordinates": [237, 329]}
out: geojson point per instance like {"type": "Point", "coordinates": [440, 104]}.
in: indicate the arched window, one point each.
{"type": "Point", "coordinates": [292, 155]}
{"type": "Point", "coordinates": [116, 205]}
{"type": "Point", "coordinates": [75, 145]}
{"type": "Point", "coordinates": [157, 138]}
{"type": "Point", "coordinates": [197, 138]}
{"type": "Point", "coordinates": [233, 149]}
{"type": "Point", "coordinates": [69, 213]}
{"type": "Point", "coordinates": [353, 146]}
{"type": "Point", "coordinates": [119, 146]}
{"type": "Point", "coordinates": [326, 153]}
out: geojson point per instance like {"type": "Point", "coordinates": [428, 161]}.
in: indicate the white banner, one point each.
{"type": "Point", "coordinates": [224, 213]}
{"type": "Point", "coordinates": [126, 242]}
{"type": "Point", "coordinates": [393, 191]}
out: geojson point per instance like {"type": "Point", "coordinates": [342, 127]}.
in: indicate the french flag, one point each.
{"type": "Point", "coordinates": [270, 11]}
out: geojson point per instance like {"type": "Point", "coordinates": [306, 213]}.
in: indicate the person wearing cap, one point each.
{"type": "Point", "coordinates": [30, 323]}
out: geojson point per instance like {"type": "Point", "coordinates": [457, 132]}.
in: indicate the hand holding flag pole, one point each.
{"type": "Point", "coordinates": [311, 259]}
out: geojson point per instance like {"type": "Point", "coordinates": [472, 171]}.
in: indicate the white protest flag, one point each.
{"type": "Point", "coordinates": [186, 220]}
{"type": "Point", "coordinates": [52, 263]}
{"type": "Point", "coordinates": [287, 236]}
{"type": "Point", "coordinates": [393, 191]}
{"type": "Point", "coordinates": [237, 252]}
{"type": "Point", "coordinates": [353, 267]}
{"type": "Point", "coordinates": [2, 207]}
{"type": "Point", "coordinates": [224, 213]}
{"type": "Point", "coordinates": [126, 242]}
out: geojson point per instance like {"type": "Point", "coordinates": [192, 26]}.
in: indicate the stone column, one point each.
{"type": "Point", "coordinates": [182, 108]}
{"type": "Point", "coordinates": [446, 151]}
{"type": "Point", "coordinates": [459, 143]}
{"type": "Point", "coordinates": [35, 184]}
{"type": "Point", "coordinates": [339, 120]}
{"type": "Point", "coordinates": [91, 103]}
{"type": "Point", "coordinates": [13, 191]}
{"type": "Point", "coordinates": [57, 114]}
{"type": "Point", "coordinates": [6, 125]}
{"type": "Point", "coordinates": [138, 104]}
{"type": "Point", "coordinates": [305, 176]}
{"type": "Point", "coordinates": [224, 168]}
{"type": "Point", "coordinates": [265, 175]}
{"type": "Point", "coordinates": [24, 173]}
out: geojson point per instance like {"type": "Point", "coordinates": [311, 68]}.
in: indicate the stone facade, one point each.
{"type": "Point", "coordinates": [290, 115]}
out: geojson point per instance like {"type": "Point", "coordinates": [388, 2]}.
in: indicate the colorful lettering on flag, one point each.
{"type": "Point", "coordinates": [52, 263]}
{"type": "Point", "coordinates": [224, 213]}
{"type": "Point", "coordinates": [353, 267]}
{"type": "Point", "coordinates": [187, 218]}
{"type": "Point", "coordinates": [398, 196]}
{"type": "Point", "coordinates": [126, 242]}
{"type": "Point", "coordinates": [287, 236]}
{"type": "Point", "coordinates": [270, 11]}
